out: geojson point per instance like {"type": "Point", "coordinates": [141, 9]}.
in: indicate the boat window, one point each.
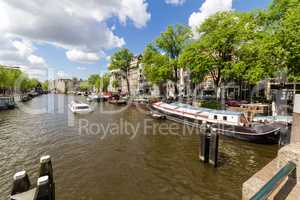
{"type": "Point", "coordinates": [82, 107]}
{"type": "Point", "coordinates": [215, 117]}
{"type": "Point", "coordinates": [225, 118]}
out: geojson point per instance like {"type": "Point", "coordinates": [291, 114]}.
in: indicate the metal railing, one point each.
{"type": "Point", "coordinates": [272, 184]}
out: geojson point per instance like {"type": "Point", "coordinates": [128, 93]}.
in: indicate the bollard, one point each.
{"type": "Point", "coordinates": [46, 167]}
{"type": "Point", "coordinates": [214, 148]}
{"type": "Point", "coordinates": [43, 191]}
{"type": "Point", "coordinates": [46, 170]}
{"type": "Point", "coordinates": [204, 146]}
{"type": "Point", "coordinates": [21, 183]}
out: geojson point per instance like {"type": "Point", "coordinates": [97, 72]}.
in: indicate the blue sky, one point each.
{"type": "Point", "coordinates": [49, 48]}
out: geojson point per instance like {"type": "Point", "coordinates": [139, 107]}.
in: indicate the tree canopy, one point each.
{"type": "Point", "coordinates": [248, 46]}
{"type": "Point", "coordinates": [121, 61]}
{"type": "Point", "coordinates": [161, 57]}
{"type": "Point", "coordinates": [216, 52]}
{"type": "Point", "coordinates": [157, 66]}
{"type": "Point", "coordinates": [14, 79]}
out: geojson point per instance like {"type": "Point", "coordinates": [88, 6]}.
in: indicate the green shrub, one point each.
{"type": "Point", "coordinates": [211, 104]}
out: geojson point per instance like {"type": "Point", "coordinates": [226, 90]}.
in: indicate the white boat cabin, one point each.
{"type": "Point", "coordinates": [78, 107]}
{"type": "Point", "coordinates": [204, 115]}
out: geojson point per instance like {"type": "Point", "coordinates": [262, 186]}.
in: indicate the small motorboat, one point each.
{"type": "Point", "coordinates": [157, 115]}
{"type": "Point", "coordinates": [95, 98]}
{"type": "Point", "coordinates": [25, 98]}
{"type": "Point", "coordinates": [118, 101]}
{"type": "Point", "coordinates": [80, 108]}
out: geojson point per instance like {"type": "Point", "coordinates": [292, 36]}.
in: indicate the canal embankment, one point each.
{"type": "Point", "coordinates": [275, 180]}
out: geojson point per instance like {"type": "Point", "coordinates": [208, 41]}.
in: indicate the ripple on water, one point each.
{"type": "Point", "coordinates": [150, 166]}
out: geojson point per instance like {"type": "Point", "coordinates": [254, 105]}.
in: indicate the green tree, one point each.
{"type": "Point", "coordinates": [279, 8]}
{"type": "Point", "coordinates": [104, 82]}
{"type": "Point", "coordinates": [121, 60]}
{"type": "Point", "coordinates": [45, 85]}
{"type": "Point", "coordinates": [289, 38]}
{"type": "Point", "coordinates": [84, 85]}
{"type": "Point", "coordinates": [221, 35]}
{"type": "Point", "coordinates": [13, 80]}
{"type": "Point", "coordinates": [93, 79]}
{"type": "Point", "coordinates": [115, 84]}
{"type": "Point", "coordinates": [156, 66]}
{"type": "Point", "coordinates": [161, 58]}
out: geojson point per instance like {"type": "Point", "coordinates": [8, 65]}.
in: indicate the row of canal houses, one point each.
{"type": "Point", "coordinates": [139, 85]}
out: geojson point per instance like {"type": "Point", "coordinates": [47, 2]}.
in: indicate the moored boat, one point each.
{"type": "Point", "coordinates": [118, 101]}
{"type": "Point", "coordinates": [7, 103]}
{"type": "Point", "coordinates": [140, 102]}
{"type": "Point", "coordinates": [25, 98]}
{"type": "Point", "coordinates": [80, 108]}
{"type": "Point", "coordinates": [157, 115]}
{"type": "Point", "coordinates": [228, 123]}
{"type": "Point", "coordinates": [270, 119]}
{"type": "Point", "coordinates": [95, 98]}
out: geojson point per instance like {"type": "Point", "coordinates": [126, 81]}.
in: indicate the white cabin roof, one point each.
{"type": "Point", "coordinates": [77, 103]}
{"type": "Point", "coordinates": [194, 110]}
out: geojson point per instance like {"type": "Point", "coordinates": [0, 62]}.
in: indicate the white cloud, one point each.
{"type": "Point", "coordinates": [107, 58]}
{"type": "Point", "coordinates": [209, 7]}
{"type": "Point", "coordinates": [62, 74]}
{"type": "Point", "coordinates": [36, 60]}
{"type": "Point", "coordinates": [81, 68]}
{"type": "Point", "coordinates": [20, 53]}
{"type": "Point", "coordinates": [24, 47]}
{"type": "Point", "coordinates": [68, 24]}
{"type": "Point", "coordinates": [175, 2]}
{"type": "Point", "coordinates": [82, 57]}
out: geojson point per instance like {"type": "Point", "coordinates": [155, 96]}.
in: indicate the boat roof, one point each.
{"type": "Point", "coordinates": [192, 109]}
{"type": "Point", "coordinates": [78, 103]}
{"type": "Point", "coordinates": [276, 118]}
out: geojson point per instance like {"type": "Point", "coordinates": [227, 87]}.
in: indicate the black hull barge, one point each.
{"type": "Point", "coordinates": [231, 124]}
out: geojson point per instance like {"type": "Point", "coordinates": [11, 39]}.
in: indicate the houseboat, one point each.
{"type": "Point", "coordinates": [80, 108]}
{"type": "Point", "coordinates": [228, 123]}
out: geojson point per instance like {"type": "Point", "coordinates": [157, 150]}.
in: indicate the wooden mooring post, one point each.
{"type": "Point", "coordinates": [209, 145]}
{"type": "Point", "coordinates": [214, 148]}
{"type": "Point", "coordinates": [45, 188]}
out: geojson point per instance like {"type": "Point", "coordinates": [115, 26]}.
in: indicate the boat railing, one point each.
{"type": "Point", "coordinates": [275, 181]}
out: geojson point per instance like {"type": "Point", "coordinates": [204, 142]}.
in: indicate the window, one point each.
{"type": "Point", "coordinates": [215, 117]}
{"type": "Point", "coordinates": [225, 118]}
{"type": "Point", "coordinates": [82, 107]}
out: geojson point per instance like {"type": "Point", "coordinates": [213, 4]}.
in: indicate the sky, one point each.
{"type": "Point", "coordinates": [75, 38]}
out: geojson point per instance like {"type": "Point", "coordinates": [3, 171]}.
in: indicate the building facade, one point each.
{"type": "Point", "coordinates": [64, 85]}
{"type": "Point", "coordinates": [137, 82]}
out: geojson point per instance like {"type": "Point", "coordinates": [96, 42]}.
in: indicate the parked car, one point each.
{"type": "Point", "coordinates": [233, 103]}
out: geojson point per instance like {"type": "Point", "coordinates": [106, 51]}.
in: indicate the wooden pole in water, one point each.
{"type": "Point", "coordinates": [214, 148]}
{"type": "Point", "coordinates": [21, 183]}
{"type": "Point", "coordinates": [204, 145]}
{"type": "Point", "coordinates": [46, 170]}
{"type": "Point", "coordinates": [43, 191]}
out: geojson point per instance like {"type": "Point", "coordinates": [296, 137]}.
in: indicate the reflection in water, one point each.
{"type": "Point", "coordinates": [149, 166]}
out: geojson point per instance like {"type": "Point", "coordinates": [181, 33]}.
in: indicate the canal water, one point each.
{"type": "Point", "coordinates": [119, 153]}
